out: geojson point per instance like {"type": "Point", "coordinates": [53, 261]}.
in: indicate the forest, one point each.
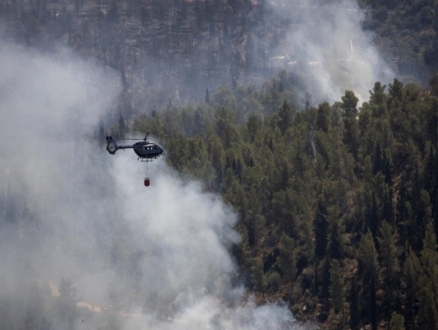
{"type": "Point", "coordinates": [337, 201]}
{"type": "Point", "coordinates": [164, 49]}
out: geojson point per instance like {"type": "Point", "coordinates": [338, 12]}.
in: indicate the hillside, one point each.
{"type": "Point", "coordinates": [335, 202]}
{"type": "Point", "coordinates": [172, 51]}
{"type": "Point", "coordinates": [323, 145]}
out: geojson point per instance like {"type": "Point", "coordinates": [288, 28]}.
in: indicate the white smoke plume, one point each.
{"type": "Point", "coordinates": [326, 39]}
{"type": "Point", "coordinates": [139, 258]}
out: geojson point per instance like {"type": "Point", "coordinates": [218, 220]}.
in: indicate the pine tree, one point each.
{"type": "Point", "coordinates": [373, 303]}
{"type": "Point", "coordinates": [367, 257]}
{"type": "Point", "coordinates": [368, 268]}
{"type": "Point", "coordinates": [257, 277]}
{"type": "Point", "coordinates": [387, 208]}
{"type": "Point", "coordinates": [373, 218]}
{"type": "Point", "coordinates": [377, 166]}
{"type": "Point", "coordinates": [377, 96]}
{"type": "Point", "coordinates": [285, 115]}
{"type": "Point", "coordinates": [336, 286]}
{"type": "Point", "coordinates": [325, 283]}
{"type": "Point", "coordinates": [335, 234]}
{"type": "Point", "coordinates": [396, 90]}
{"type": "Point", "coordinates": [315, 278]}
{"type": "Point", "coordinates": [253, 125]}
{"type": "Point", "coordinates": [259, 227]}
{"type": "Point", "coordinates": [427, 295]}
{"type": "Point", "coordinates": [412, 266]}
{"type": "Point", "coordinates": [397, 322]}
{"type": "Point", "coordinates": [320, 228]}
{"type": "Point", "coordinates": [351, 125]}
{"type": "Point", "coordinates": [354, 304]}
{"type": "Point", "coordinates": [323, 117]}
{"type": "Point", "coordinates": [387, 251]}
{"type": "Point", "coordinates": [431, 180]}
{"type": "Point", "coordinates": [287, 258]}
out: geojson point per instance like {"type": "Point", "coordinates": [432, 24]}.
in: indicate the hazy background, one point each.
{"type": "Point", "coordinates": [325, 39]}
{"type": "Point", "coordinates": [169, 52]}
{"type": "Point", "coordinates": [69, 210]}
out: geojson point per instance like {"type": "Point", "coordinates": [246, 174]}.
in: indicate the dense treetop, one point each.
{"type": "Point", "coordinates": [327, 196]}
{"type": "Point", "coordinates": [337, 202]}
{"type": "Point", "coordinates": [159, 47]}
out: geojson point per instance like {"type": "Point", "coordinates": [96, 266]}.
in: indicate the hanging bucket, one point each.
{"type": "Point", "coordinates": [147, 182]}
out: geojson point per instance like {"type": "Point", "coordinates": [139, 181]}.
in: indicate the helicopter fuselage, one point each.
{"type": "Point", "coordinates": [147, 150]}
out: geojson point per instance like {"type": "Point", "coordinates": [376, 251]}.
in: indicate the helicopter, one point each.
{"type": "Point", "coordinates": [145, 150]}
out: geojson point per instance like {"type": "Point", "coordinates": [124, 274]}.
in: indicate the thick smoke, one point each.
{"type": "Point", "coordinates": [137, 257]}
{"type": "Point", "coordinates": [326, 40]}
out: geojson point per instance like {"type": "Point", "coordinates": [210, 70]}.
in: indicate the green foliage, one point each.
{"type": "Point", "coordinates": [287, 258]}
{"type": "Point", "coordinates": [367, 257]}
{"type": "Point", "coordinates": [390, 266]}
{"type": "Point", "coordinates": [273, 281]}
{"type": "Point", "coordinates": [397, 322]}
{"type": "Point", "coordinates": [336, 286]}
{"type": "Point", "coordinates": [428, 295]}
{"type": "Point", "coordinates": [354, 302]}
{"type": "Point", "coordinates": [334, 185]}
{"type": "Point", "coordinates": [285, 115]}
{"type": "Point", "coordinates": [433, 82]}
{"type": "Point", "coordinates": [323, 117]}
{"type": "Point", "coordinates": [320, 228]}
{"type": "Point", "coordinates": [411, 283]}
{"type": "Point", "coordinates": [257, 277]}
{"type": "Point", "coordinates": [351, 125]}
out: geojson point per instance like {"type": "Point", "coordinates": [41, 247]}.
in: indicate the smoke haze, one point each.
{"type": "Point", "coordinates": [326, 39]}
{"type": "Point", "coordinates": [69, 210]}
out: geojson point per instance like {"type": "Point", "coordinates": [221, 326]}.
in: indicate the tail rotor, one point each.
{"type": "Point", "coordinates": [111, 145]}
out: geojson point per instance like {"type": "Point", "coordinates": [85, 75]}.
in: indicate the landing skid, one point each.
{"type": "Point", "coordinates": [146, 160]}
